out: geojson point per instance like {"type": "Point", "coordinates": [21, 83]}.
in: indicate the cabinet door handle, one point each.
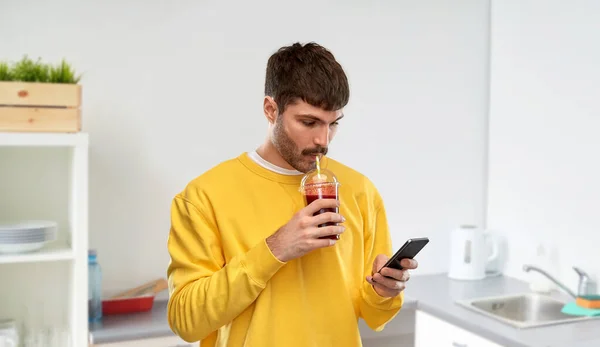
{"type": "Point", "coordinates": [456, 344]}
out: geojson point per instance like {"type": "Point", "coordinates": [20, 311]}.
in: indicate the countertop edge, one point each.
{"type": "Point", "coordinates": [132, 336]}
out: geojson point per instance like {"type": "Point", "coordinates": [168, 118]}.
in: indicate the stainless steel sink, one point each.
{"type": "Point", "coordinates": [526, 310]}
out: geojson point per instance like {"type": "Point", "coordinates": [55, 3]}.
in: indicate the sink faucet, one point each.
{"type": "Point", "coordinates": [586, 285]}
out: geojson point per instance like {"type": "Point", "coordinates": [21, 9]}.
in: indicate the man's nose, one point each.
{"type": "Point", "coordinates": [322, 138]}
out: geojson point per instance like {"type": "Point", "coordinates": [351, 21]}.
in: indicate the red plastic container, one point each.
{"type": "Point", "coordinates": [135, 304]}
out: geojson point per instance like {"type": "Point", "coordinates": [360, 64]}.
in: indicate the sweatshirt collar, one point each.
{"type": "Point", "coordinates": [251, 165]}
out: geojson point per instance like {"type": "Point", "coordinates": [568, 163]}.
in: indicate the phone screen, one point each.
{"type": "Point", "coordinates": [409, 250]}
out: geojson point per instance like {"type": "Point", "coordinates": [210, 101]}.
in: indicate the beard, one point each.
{"type": "Point", "coordinates": [289, 151]}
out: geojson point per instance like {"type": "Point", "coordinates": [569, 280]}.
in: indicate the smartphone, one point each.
{"type": "Point", "coordinates": [409, 250]}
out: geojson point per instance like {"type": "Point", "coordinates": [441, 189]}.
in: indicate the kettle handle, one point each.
{"type": "Point", "coordinates": [493, 239]}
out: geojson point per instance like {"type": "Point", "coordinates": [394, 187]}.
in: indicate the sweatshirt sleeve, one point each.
{"type": "Point", "coordinates": [205, 291]}
{"type": "Point", "coordinates": [376, 310]}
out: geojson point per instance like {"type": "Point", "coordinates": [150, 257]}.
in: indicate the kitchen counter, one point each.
{"type": "Point", "coordinates": [143, 325]}
{"type": "Point", "coordinates": [434, 294]}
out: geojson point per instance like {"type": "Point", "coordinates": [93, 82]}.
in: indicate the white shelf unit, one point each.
{"type": "Point", "coordinates": [45, 176]}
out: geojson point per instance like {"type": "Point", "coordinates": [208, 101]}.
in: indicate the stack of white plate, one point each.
{"type": "Point", "coordinates": [26, 236]}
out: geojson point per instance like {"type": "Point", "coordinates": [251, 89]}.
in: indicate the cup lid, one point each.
{"type": "Point", "coordinates": [319, 177]}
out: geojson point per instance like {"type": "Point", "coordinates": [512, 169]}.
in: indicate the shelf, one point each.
{"type": "Point", "coordinates": [16, 139]}
{"type": "Point", "coordinates": [47, 177]}
{"type": "Point", "coordinates": [55, 251]}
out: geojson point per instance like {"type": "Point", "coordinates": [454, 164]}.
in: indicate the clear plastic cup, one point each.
{"type": "Point", "coordinates": [321, 184]}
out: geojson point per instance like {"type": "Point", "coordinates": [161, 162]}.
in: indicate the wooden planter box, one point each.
{"type": "Point", "coordinates": [40, 107]}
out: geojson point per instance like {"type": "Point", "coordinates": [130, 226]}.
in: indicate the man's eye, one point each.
{"type": "Point", "coordinates": [308, 123]}
{"type": "Point", "coordinates": [334, 124]}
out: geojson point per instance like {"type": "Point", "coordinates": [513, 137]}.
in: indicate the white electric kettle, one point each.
{"type": "Point", "coordinates": [472, 249]}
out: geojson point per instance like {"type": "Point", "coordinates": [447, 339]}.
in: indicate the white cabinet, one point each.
{"type": "Point", "coordinates": [169, 341]}
{"type": "Point", "coordinates": [431, 331]}
{"type": "Point", "coordinates": [44, 176]}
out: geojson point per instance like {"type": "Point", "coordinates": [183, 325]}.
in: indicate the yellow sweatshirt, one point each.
{"type": "Point", "coordinates": [227, 288]}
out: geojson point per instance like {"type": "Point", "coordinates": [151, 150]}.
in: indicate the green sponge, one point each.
{"type": "Point", "coordinates": [574, 310]}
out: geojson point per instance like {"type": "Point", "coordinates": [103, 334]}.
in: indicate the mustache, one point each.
{"type": "Point", "coordinates": [317, 150]}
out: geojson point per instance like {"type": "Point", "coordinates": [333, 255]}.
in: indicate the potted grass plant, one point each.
{"type": "Point", "coordinates": [39, 97]}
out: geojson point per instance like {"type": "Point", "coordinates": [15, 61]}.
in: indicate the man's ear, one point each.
{"type": "Point", "coordinates": [270, 109]}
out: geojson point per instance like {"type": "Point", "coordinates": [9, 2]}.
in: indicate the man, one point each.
{"type": "Point", "coordinates": [248, 264]}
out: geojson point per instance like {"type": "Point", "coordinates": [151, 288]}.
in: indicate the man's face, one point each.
{"type": "Point", "coordinates": [302, 132]}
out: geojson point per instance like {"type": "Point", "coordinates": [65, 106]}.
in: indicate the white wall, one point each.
{"type": "Point", "coordinates": [544, 147]}
{"type": "Point", "coordinates": [173, 88]}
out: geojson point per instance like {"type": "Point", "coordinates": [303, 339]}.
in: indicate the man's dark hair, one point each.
{"type": "Point", "coordinates": [308, 72]}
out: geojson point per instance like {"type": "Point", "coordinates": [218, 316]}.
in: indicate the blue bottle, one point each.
{"type": "Point", "coordinates": [94, 287]}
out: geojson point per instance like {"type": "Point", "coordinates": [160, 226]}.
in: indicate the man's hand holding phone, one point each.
{"type": "Point", "coordinates": [389, 282]}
